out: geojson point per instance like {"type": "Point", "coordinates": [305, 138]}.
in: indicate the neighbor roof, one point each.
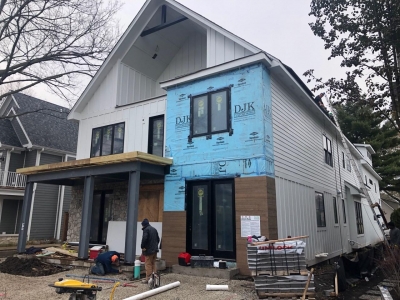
{"type": "Point", "coordinates": [7, 134]}
{"type": "Point", "coordinates": [46, 124]}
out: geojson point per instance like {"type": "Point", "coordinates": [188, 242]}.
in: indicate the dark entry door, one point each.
{"type": "Point", "coordinates": [101, 214]}
{"type": "Point", "coordinates": [211, 219]}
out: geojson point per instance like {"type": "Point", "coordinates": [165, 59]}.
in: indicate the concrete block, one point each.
{"type": "Point", "coordinates": [206, 272]}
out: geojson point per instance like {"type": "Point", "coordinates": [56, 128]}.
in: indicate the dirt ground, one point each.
{"type": "Point", "coordinates": [30, 279]}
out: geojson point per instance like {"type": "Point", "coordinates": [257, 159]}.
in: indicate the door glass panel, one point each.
{"type": "Point", "coordinates": [224, 238]}
{"type": "Point", "coordinates": [200, 217]}
{"type": "Point", "coordinates": [96, 139]}
{"type": "Point", "coordinates": [107, 140]}
{"type": "Point", "coordinates": [119, 131]}
{"type": "Point", "coordinates": [219, 111]}
{"type": "Point", "coordinates": [200, 115]}
{"type": "Point", "coordinates": [157, 136]}
{"type": "Point", "coordinates": [106, 216]}
{"type": "Point", "coordinates": [95, 221]}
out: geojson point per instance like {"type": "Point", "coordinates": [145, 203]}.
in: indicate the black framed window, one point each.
{"type": "Point", "coordinates": [156, 135]}
{"type": "Point", "coordinates": [108, 140]}
{"type": "Point", "coordinates": [359, 218]}
{"type": "Point", "coordinates": [344, 211]}
{"type": "Point", "coordinates": [328, 150]}
{"type": "Point", "coordinates": [210, 113]}
{"type": "Point", "coordinates": [335, 212]}
{"type": "Point", "coordinates": [344, 160]}
{"type": "Point", "coordinates": [320, 206]}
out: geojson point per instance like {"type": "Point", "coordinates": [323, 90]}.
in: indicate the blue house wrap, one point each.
{"type": "Point", "coordinates": [248, 151]}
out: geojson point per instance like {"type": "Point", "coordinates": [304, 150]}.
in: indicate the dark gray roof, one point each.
{"type": "Point", "coordinates": [7, 134]}
{"type": "Point", "coordinates": [46, 123]}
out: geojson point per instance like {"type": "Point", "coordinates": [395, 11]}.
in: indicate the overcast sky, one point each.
{"type": "Point", "coordinates": [279, 27]}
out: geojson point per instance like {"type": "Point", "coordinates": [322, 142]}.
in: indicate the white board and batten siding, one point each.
{"type": "Point", "coordinates": [301, 171]}
{"type": "Point", "coordinates": [221, 49]}
{"type": "Point", "coordinates": [136, 118]}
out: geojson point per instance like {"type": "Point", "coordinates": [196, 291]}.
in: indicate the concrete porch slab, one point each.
{"type": "Point", "coordinates": [205, 272]}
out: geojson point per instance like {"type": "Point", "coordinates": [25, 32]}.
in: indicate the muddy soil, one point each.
{"type": "Point", "coordinates": [30, 267]}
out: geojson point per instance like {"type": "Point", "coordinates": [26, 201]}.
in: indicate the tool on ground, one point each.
{"type": "Point", "coordinates": [307, 284]}
{"type": "Point", "coordinates": [129, 284]}
{"type": "Point", "coordinates": [113, 290]}
{"type": "Point", "coordinates": [355, 168]}
{"type": "Point", "coordinates": [79, 290]}
{"type": "Point", "coordinates": [155, 291]}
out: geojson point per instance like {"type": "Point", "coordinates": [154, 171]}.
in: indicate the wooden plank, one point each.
{"type": "Point", "coordinates": [303, 272]}
{"type": "Point", "coordinates": [280, 240]}
{"type": "Point", "coordinates": [174, 236]}
{"type": "Point", "coordinates": [62, 251]}
{"type": "Point", "coordinates": [100, 160]}
{"type": "Point", "coordinates": [283, 295]}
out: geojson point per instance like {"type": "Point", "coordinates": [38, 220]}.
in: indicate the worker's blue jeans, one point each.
{"type": "Point", "coordinates": [98, 269]}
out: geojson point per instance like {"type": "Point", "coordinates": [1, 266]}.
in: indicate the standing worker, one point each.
{"type": "Point", "coordinates": [394, 234]}
{"type": "Point", "coordinates": [149, 247]}
{"type": "Point", "coordinates": [105, 262]}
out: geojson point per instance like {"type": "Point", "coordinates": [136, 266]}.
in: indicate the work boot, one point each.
{"type": "Point", "coordinates": [145, 281]}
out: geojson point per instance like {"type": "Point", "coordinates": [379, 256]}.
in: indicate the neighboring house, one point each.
{"type": "Point", "coordinates": [388, 206]}
{"type": "Point", "coordinates": [39, 134]}
{"type": "Point", "coordinates": [243, 135]}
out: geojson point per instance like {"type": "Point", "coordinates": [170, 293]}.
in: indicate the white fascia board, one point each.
{"type": "Point", "coordinates": [29, 145]}
{"type": "Point", "coordinates": [121, 47]}
{"type": "Point", "coordinates": [16, 103]}
{"type": "Point", "coordinates": [366, 165]}
{"type": "Point", "coordinates": [8, 147]}
{"type": "Point", "coordinates": [5, 105]}
{"type": "Point", "coordinates": [205, 23]}
{"type": "Point", "coordinates": [368, 146]}
{"type": "Point", "coordinates": [234, 64]}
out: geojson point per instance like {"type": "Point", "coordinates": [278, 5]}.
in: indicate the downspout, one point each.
{"type": "Point", "coordinates": [60, 205]}
{"type": "Point", "coordinates": [37, 163]}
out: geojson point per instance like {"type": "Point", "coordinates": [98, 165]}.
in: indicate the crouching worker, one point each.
{"type": "Point", "coordinates": [105, 262]}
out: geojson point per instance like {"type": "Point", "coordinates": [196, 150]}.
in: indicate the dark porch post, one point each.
{"type": "Point", "coordinates": [86, 217]}
{"type": "Point", "coordinates": [26, 210]}
{"type": "Point", "coordinates": [132, 217]}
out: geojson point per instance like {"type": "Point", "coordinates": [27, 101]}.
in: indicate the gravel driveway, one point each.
{"type": "Point", "coordinates": [191, 288]}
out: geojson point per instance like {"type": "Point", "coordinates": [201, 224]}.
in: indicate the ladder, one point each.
{"type": "Point", "coordinates": [355, 168]}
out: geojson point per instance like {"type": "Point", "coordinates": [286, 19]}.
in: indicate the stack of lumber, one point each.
{"type": "Point", "coordinates": [279, 272]}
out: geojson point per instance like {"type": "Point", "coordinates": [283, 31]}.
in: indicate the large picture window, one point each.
{"type": "Point", "coordinates": [320, 206]}
{"type": "Point", "coordinates": [328, 150]}
{"type": "Point", "coordinates": [210, 113]}
{"type": "Point", "coordinates": [108, 140]}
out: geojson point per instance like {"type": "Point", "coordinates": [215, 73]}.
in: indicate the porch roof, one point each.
{"type": "Point", "coordinates": [111, 168]}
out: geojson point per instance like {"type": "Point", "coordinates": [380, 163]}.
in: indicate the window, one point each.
{"type": "Point", "coordinates": [348, 165]}
{"type": "Point", "coordinates": [108, 140]}
{"type": "Point", "coordinates": [319, 203]}
{"type": "Point", "coordinates": [370, 182]}
{"type": "Point", "coordinates": [335, 214]}
{"type": "Point", "coordinates": [375, 187]}
{"type": "Point", "coordinates": [344, 211]}
{"type": "Point", "coordinates": [369, 155]}
{"type": "Point", "coordinates": [156, 135]}
{"type": "Point", "coordinates": [359, 219]}
{"type": "Point", "coordinates": [328, 150]}
{"type": "Point", "coordinates": [344, 161]}
{"type": "Point", "coordinates": [210, 113]}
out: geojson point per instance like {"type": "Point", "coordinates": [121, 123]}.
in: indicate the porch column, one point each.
{"type": "Point", "coordinates": [86, 217]}
{"type": "Point", "coordinates": [26, 211]}
{"type": "Point", "coordinates": [132, 217]}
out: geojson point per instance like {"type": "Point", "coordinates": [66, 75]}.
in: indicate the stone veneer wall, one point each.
{"type": "Point", "coordinates": [118, 198]}
{"type": "Point", "coordinates": [119, 204]}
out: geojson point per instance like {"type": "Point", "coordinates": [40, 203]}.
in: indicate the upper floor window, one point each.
{"type": "Point", "coordinates": [108, 140]}
{"type": "Point", "coordinates": [344, 211]}
{"type": "Point", "coordinates": [344, 160]}
{"type": "Point", "coordinates": [320, 206]}
{"type": "Point", "coordinates": [369, 155]}
{"type": "Point", "coordinates": [210, 113]}
{"type": "Point", "coordinates": [335, 212]}
{"type": "Point", "coordinates": [359, 218]}
{"type": "Point", "coordinates": [328, 151]}
{"type": "Point", "coordinates": [348, 165]}
{"type": "Point", "coordinates": [156, 135]}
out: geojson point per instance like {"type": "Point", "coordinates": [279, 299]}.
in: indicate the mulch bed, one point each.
{"type": "Point", "coordinates": [28, 267]}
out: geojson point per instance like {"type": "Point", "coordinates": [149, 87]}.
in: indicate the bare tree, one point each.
{"type": "Point", "coordinates": [54, 42]}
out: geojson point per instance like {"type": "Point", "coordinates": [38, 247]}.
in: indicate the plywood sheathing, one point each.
{"type": "Point", "coordinates": [254, 196]}
{"type": "Point", "coordinates": [174, 236]}
{"type": "Point", "coordinates": [97, 161]}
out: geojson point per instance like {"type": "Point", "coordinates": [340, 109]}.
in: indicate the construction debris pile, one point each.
{"type": "Point", "coordinates": [279, 268]}
{"type": "Point", "coordinates": [30, 267]}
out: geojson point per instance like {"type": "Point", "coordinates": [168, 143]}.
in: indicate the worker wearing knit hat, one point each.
{"type": "Point", "coordinates": [149, 245]}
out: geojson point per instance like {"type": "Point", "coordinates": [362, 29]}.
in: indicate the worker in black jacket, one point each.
{"type": "Point", "coordinates": [149, 245]}
{"type": "Point", "coordinates": [105, 262]}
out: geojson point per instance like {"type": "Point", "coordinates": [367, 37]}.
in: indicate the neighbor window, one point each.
{"type": "Point", "coordinates": [344, 211]}
{"type": "Point", "coordinates": [348, 165]}
{"type": "Point", "coordinates": [335, 214]}
{"type": "Point", "coordinates": [344, 161]}
{"type": "Point", "coordinates": [375, 187]}
{"type": "Point", "coordinates": [108, 140]}
{"type": "Point", "coordinates": [320, 206]}
{"type": "Point", "coordinates": [156, 135]}
{"type": "Point", "coordinates": [210, 113]}
{"type": "Point", "coordinates": [359, 219]}
{"type": "Point", "coordinates": [328, 151]}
